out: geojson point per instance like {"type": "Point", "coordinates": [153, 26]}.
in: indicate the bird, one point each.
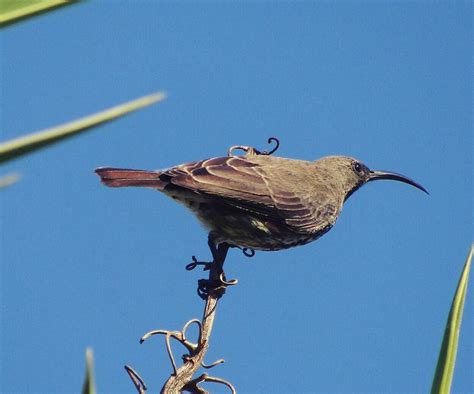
{"type": "Point", "coordinates": [258, 201]}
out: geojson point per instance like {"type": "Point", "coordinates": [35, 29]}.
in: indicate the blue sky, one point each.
{"type": "Point", "coordinates": [362, 309]}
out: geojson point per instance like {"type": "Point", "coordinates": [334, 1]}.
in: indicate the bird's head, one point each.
{"type": "Point", "coordinates": [350, 174]}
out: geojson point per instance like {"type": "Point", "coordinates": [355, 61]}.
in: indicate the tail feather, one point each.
{"type": "Point", "coordinates": [121, 177]}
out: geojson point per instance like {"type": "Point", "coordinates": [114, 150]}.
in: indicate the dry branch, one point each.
{"type": "Point", "coordinates": [181, 378]}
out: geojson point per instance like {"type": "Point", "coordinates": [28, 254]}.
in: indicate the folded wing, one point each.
{"type": "Point", "coordinates": [269, 187]}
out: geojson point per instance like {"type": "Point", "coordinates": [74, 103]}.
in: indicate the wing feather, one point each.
{"type": "Point", "coordinates": [258, 184]}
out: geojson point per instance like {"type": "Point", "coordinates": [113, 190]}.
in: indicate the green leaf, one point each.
{"type": "Point", "coordinates": [89, 386]}
{"type": "Point", "coordinates": [15, 10]}
{"type": "Point", "coordinates": [8, 180]}
{"type": "Point", "coordinates": [19, 146]}
{"type": "Point", "coordinates": [447, 356]}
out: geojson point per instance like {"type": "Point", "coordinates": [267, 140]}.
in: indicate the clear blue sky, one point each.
{"type": "Point", "coordinates": [362, 309]}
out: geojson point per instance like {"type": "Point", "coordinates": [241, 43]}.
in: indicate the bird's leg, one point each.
{"type": "Point", "coordinates": [217, 281]}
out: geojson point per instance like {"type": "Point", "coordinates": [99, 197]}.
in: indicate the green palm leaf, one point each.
{"type": "Point", "coordinates": [89, 385]}
{"type": "Point", "coordinates": [12, 11]}
{"type": "Point", "coordinates": [447, 355]}
{"type": "Point", "coordinates": [19, 146]}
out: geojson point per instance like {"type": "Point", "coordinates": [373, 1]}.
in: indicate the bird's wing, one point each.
{"type": "Point", "coordinates": [259, 187]}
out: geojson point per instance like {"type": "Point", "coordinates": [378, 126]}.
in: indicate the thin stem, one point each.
{"type": "Point", "coordinates": [185, 373]}
{"type": "Point", "coordinates": [136, 379]}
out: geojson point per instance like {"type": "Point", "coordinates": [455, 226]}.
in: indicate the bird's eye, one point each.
{"type": "Point", "coordinates": [358, 167]}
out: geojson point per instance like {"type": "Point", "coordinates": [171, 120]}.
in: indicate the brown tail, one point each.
{"type": "Point", "coordinates": [120, 177]}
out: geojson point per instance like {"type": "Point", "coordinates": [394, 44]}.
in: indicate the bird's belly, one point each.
{"type": "Point", "coordinates": [259, 234]}
{"type": "Point", "coordinates": [241, 228]}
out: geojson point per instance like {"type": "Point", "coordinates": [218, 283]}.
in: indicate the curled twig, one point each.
{"type": "Point", "coordinates": [186, 326]}
{"type": "Point", "coordinates": [225, 283]}
{"type": "Point", "coordinates": [136, 379]}
{"type": "Point", "coordinates": [178, 335]}
{"type": "Point", "coordinates": [193, 384]}
{"type": "Point", "coordinates": [248, 252]}
{"type": "Point", "coordinates": [209, 366]}
{"type": "Point", "coordinates": [253, 151]}
{"type": "Point", "coordinates": [170, 353]}
{"type": "Point", "coordinates": [246, 149]}
{"type": "Point", "coordinates": [277, 145]}
{"type": "Point", "coordinates": [175, 334]}
{"type": "Point", "coordinates": [195, 263]}
{"type": "Point", "coordinates": [221, 381]}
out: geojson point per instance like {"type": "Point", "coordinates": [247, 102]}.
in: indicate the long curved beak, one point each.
{"type": "Point", "coordinates": [378, 175]}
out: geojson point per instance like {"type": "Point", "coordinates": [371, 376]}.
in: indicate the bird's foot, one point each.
{"type": "Point", "coordinates": [214, 287]}
{"type": "Point", "coordinates": [216, 284]}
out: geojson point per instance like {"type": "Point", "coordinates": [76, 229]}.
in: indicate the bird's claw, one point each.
{"type": "Point", "coordinates": [215, 287]}
{"type": "Point", "coordinates": [216, 284]}
{"type": "Point", "coordinates": [208, 287]}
